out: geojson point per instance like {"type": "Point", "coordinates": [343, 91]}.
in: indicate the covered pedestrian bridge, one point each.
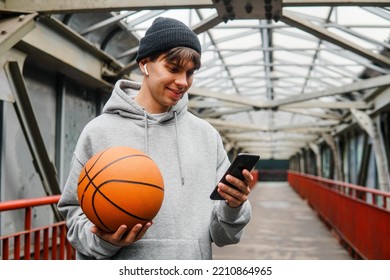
{"type": "Point", "coordinates": [304, 84]}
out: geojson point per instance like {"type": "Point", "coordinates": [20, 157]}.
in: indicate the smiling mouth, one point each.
{"type": "Point", "coordinates": [176, 92]}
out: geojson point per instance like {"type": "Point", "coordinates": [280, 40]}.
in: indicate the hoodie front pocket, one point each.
{"type": "Point", "coordinates": [166, 249]}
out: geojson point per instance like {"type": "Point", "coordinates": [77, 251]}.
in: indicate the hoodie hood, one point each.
{"type": "Point", "coordinates": [122, 102]}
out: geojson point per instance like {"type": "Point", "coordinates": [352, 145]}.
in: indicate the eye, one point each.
{"type": "Point", "coordinates": [173, 68]}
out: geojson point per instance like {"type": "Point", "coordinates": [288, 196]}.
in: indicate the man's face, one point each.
{"type": "Point", "coordinates": [167, 82]}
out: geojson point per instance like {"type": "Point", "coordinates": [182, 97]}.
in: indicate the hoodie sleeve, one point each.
{"type": "Point", "coordinates": [227, 223]}
{"type": "Point", "coordinates": [79, 227]}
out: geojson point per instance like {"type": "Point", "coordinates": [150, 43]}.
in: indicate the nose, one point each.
{"type": "Point", "coordinates": [182, 80]}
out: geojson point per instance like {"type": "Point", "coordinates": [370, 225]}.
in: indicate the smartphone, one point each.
{"type": "Point", "coordinates": [241, 162]}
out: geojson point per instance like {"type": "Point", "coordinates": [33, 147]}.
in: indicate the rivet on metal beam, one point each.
{"type": "Point", "coordinates": [229, 9]}
{"type": "Point", "coordinates": [248, 8]}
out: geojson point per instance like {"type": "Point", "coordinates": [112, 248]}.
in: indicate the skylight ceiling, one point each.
{"type": "Point", "coordinates": [258, 62]}
{"type": "Point", "coordinates": [270, 87]}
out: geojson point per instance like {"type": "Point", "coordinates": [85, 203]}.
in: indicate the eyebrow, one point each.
{"type": "Point", "coordinates": [181, 65]}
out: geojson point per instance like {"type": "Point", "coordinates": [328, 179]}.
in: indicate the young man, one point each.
{"type": "Point", "coordinates": [153, 117]}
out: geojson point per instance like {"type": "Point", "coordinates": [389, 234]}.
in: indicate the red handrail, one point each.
{"type": "Point", "coordinates": [362, 224]}
{"type": "Point", "coordinates": [48, 242]}
{"type": "Point", "coordinates": [355, 191]}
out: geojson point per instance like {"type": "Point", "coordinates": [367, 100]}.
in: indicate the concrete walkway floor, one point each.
{"type": "Point", "coordinates": [283, 227]}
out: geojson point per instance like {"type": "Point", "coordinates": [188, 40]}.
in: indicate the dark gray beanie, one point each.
{"type": "Point", "coordinates": [165, 34]}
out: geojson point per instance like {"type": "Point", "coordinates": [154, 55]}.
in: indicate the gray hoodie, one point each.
{"type": "Point", "coordinates": [192, 159]}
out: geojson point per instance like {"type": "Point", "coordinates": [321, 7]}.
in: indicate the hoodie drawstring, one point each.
{"type": "Point", "coordinates": [177, 143]}
{"type": "Point", "coordinates": [146, 141]}
{"type": "Point", "coordinates": [178, 148]}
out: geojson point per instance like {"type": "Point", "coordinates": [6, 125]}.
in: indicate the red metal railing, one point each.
{"type": "Point", "coordinates": [359, 216]}
{"type": "Point", "coordinates": [48, 242]}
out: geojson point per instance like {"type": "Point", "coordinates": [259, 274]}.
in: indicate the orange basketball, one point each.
{"type": "Point", "coordinates": [120, 185]}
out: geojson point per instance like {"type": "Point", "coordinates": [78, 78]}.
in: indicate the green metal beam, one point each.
{"type": "Point", "coordinates": [29, 124]}
{"type": "Point", "coordinates": [71, 6]}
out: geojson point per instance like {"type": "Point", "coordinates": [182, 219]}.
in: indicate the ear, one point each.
{"type": "Point", "coordinates": [146, 70]}
{"type": "Point", "coordinates": [143, 67]}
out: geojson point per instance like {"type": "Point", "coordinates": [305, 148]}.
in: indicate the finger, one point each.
{"type": "Point", "coordinates": [132, 234]}
{"type": "Point", "coordinates": [118, 235]}
{"type": "Point", "coordinates": [248, 177]}
{"type": "Point", "coordinates": [232, 192]}
{"type": "Point", "coordinates": [98, 231]}
{"type": "Point", "coordinates": [229, 191]}
{"type": "Point", "coordinates": [143, 231]}
{"type": "Point", "coordinates": [233, 197]}
{"type": "Point", "coordinates": [237, 183]}
{"type": "Point", "coordinates": [94, 229]}
{"type": "Point", "coordinates": [235, 202]}
{"type": "Point", "coordinates": [240, 186]}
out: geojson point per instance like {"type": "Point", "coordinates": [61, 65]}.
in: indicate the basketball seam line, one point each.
{"type": "Point", "coordinates": [131, 182]}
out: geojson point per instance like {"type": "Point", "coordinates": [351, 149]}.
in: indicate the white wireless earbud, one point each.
{"type": "Point", "coordinates": [146, 70]}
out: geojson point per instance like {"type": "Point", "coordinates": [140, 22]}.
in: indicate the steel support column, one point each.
{"type": "Point", "coordinates": [336, 159]}
{"type": "Point", "coordinates": [369, 126]}
{"type": "Point", "coordinates": [29, 124]}
{"type": "Point", "coordinates": [316, 150]}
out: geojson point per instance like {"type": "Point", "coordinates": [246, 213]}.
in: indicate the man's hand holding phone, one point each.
{"type": "Point", "coordinates": [234, 184]}
{"type": "Point", "coordinates": [237, 195]}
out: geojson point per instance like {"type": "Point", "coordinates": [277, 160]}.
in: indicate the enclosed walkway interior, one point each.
{"type": "Point", "coordinates": [283, 227]}
{"type": "Point", "coordinates": [299, 82]}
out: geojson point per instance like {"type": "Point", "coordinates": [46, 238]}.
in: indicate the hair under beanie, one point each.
{"type": "Point", "coordinates": [165, 34]}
